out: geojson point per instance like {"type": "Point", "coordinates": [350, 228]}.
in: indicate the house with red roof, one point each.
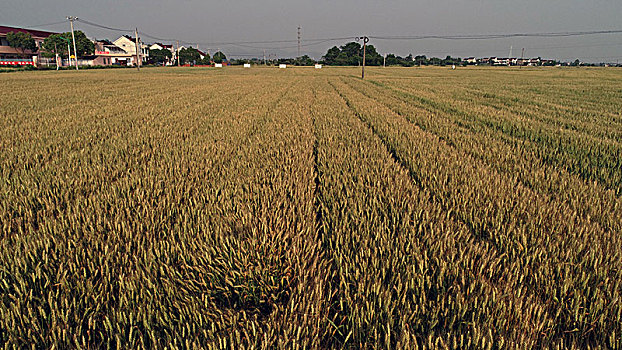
{"type": "Point", "coordinates": [12, 56]}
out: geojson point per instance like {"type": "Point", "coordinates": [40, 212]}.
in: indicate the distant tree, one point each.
{"type": "Point", "coordinates": [59, 42]}
{"type": "Point", "coordinates": [189, 55]}
{"type": "Point", "coordinates": [448, 61]}
{"type": "Point", "coordinates": [353, 50]}
{"type": "Point", "coordinates": [304, 61]}
{"type": "Point", "coordinates": [160, 56]}
{"type": "Point", "coordinates": [206, 59]}
{"type": "Point", "coordinates": [391, 60]}
{"type": "Point", "coordinates": [576, 63]}
{"type": "Point", "coordinates": [421, 60]}
{"type": "Point", "coordinates": [84, 45]}
{"type": "Point", "coordinates": [331, 56]}
{"type": "Point", "coordinates": [21, 42]}
{"type": "Point", "coordinates": [219, 57]}
{"type": "Point", "coordinates": [56, 44]}
{"type": "Point", "coordinates": [435, 61]}
{"type": "Point", "coordinates": [372, 57]}
{"type": "Point", "coordinates": [351, 54]}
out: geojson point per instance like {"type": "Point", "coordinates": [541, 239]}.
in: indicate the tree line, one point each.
{"type": "Point", "coordinates": [351, 54]}
{"type": "Point", "coordinates": [54, 44]}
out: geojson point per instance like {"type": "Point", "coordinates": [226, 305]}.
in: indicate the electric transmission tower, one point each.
{"type": "Point", "coordinates": [299, 40]}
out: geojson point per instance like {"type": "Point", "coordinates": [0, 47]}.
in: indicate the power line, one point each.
{"type": "Point", "coordinates": [574, 46]}
{"type": "Point", "coordinates": [103, 26]}
{"type": "Point", "coordinates": [299, 43]}
{"type": "Point", "coordinates": [46, 24]}
{"type": "Point", "coordinates": [390, 37]}
{"type": "Point", "coordinates": [160, 39]}
{"type": "Point", "coordinates": [279, 47]}
{"type": "Point", "coordinates": [591, 57]}
{"type": "Point", "coordinates": [309, 41]}
{"type": "Point", "coordinates": [496, 36]}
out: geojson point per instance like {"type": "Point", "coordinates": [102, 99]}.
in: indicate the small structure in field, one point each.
{"type": "Point", "coordinates": [318, 66]}
{"type": "Point", "coordinates": [218, 65]}
{"type": "Point", "coordinates": [247, 65]}
{"type": "Point", "coordinates": [282, 66]}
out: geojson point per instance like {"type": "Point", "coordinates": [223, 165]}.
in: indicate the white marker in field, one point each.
{"type": "Point", "coordinates": [218, 65]}
{"type": "Point", "coordinates": [453, 66]}
{"type": "Point", "coordinates": [318, 66]}
{"type": "Point", "coordinates": [282, 66]}
{"type": "Point", "coordinates": [247, 65]}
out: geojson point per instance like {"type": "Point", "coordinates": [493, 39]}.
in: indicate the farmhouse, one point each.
{"type": "Point", "coordinates": [12, 56]}
{"type": "Point", "coordinates": [107, 53]}
{"type": "Point", "coordinates": [128, 44]}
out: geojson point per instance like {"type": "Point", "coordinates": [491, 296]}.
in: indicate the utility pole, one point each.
{"type": "Point", "coordinates": [56, 56]}
{"type": "Point", "coordinates": [365, 41]}
{"type": "Point", "coordinates": [384, 63]}
{"type": "Point", "coordinates": [299, 41]}
{"type": "Point", "coordinates": [522, 58]}
{"type": "Point", "coordinates": [137, 50]}
{"type": "Point", "coordinates": [264, 58]}
{"type": "Point", "coordinates": [75, 51]}
{"type": "Point", "coordinates": [177, 56]}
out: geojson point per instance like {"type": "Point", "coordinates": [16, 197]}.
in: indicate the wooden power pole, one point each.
{"type": "Point", "coordinates": [365, 41]}
{"type": "Point", "coordinates": [137, 50]}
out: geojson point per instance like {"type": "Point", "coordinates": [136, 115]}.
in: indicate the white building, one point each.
{"type": "Point", "coordinates": [128, 44]}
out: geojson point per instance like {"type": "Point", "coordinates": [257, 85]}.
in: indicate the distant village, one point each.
{"type": "Point", "coordinates": [120, 52]}
{"type": "Point", "coordinates": [129, 51]}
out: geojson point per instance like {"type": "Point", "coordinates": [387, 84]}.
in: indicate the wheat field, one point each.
{"type": "Point", "coordinates": [262, 208]}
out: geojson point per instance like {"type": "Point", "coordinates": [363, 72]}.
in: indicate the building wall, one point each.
{"type": "Point", "coordinates": [130, 47]}
{"type": "Point", "coordinates": [7, 52]}
{"type": "Point", "coordinates": [126, 44]}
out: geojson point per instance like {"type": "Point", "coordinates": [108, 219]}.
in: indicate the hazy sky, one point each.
{"type": "Point", "coordinates": [244, 20]}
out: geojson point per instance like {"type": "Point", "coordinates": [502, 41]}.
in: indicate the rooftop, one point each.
{"type": "Point", "coordinates": [35, 33]}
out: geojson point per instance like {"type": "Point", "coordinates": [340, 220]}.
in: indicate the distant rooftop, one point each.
{"type": "Point", "coordinates": [4, 30]}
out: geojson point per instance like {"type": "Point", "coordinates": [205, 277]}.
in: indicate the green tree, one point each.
{"type": "Point", "coordinates": [206, 59]}
{"type": "Point", "coordinates": [219, 57]}
{"type": "Point", "coordinates": [372, 57]}
{"type": "Point", "coordinates": [304, 61]}
{"type": "Point", "coordinates": [421, 60]}
{"type": "Point", "coordinates": [351, 54]}
{"type": "Point", "coordinates": [331, 56]}
{"type": "Point", "coordinates": [189, 55]}
{"type": "Point", "coordinates": [84, 45]}
{"type": "Point", "coordinates": [21, 42]}
{"type": "Point", "coordinates": [58, 42]}
{"type": "Point", "coordinates": [392, 60]}
{"type": "Point", "coordinates": [160, 56]}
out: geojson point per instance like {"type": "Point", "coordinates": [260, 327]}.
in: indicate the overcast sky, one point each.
{"type": "Point", "coordinates": [208, 22]}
